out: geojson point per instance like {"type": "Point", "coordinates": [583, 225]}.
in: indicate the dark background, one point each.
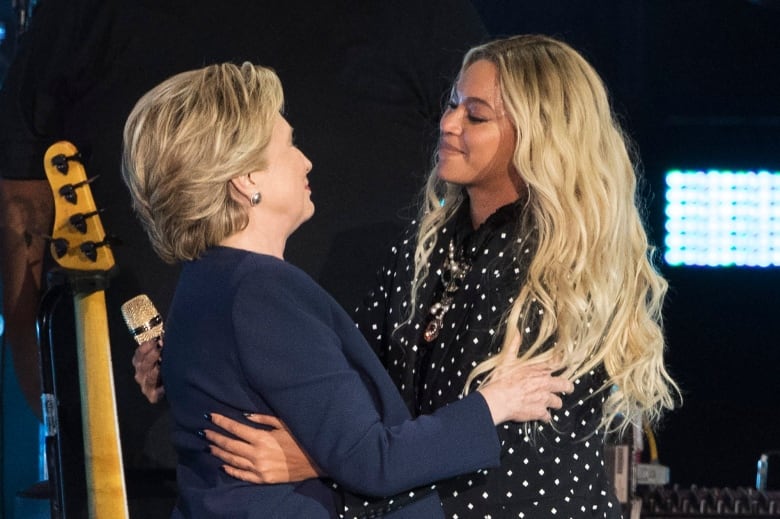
{"type": "Point", "coordinates": [697, 85]}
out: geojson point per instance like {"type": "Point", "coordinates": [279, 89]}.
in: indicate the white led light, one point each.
{"type": "Point", "coordinates": [722, 218]}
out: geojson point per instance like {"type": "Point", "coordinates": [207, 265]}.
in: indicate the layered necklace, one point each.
{"type": "Point", "coordinates": [453, 272]}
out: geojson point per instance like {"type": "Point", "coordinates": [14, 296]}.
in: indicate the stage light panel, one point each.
{"type": "Point", "coordinates": [722, 218]}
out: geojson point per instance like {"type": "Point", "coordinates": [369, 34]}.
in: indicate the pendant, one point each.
{"type": "Point", "coordinates": [453, 274]}
{"type": "Point", "coordinates": [432, 330]}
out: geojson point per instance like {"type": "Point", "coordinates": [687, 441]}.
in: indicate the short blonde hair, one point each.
{"type": "Point", "coordinates": [185, 140]}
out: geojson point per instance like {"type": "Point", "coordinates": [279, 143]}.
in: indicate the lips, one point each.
{"type": "Point", "coordinates": [447, 148]}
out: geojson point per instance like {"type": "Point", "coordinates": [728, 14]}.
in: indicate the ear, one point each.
{"type": "Point", "coordinates": [244, 185]}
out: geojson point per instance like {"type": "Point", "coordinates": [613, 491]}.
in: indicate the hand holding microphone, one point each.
{"type": "Point", "coordinates": [146, 326]}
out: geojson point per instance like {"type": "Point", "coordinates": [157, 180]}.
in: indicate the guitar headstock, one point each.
{"type": "Point", "coordinates": [78, 239]}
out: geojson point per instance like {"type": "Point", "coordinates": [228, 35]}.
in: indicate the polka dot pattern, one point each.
{"type": "Point", "coordinates": [547, 470]}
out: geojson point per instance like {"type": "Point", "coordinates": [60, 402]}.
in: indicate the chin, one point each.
{"type": "Point", "coordinates": [448, 175]}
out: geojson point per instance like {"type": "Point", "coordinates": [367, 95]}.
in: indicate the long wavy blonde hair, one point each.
{"type": "Point", "coordinates": [591, 281]}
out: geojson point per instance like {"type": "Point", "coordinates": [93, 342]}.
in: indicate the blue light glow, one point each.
{"type": "Point", "coordinates": [720, 218]}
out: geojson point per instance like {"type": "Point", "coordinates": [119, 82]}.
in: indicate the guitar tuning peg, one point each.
{"type": "Point", "coordinates": [60, 246]}
{"type": "Point", "coordinates": [79, 220]}
{"type": "Point", "coordinates": [68, 192]}
{"type": "Point", "coordinates": [89, 249]}
{"type": "Point", "coordinates": [61, 161]}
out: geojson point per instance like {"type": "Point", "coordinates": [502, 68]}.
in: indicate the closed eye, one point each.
{"type": "Point", "coordinates": [453, 105]}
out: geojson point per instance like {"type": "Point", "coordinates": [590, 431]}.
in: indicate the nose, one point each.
{"type": "Point", "coordinates": [451, 121]}
{"type": "Point", "coordinates": [307, 163]}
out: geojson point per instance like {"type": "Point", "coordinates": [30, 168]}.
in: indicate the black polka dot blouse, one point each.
{"type": "Point", "coordinates": [554, 470]}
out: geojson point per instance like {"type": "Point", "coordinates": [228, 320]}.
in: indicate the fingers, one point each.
{"type": "Point", "coordinates": [148, 352]}
{"type": "Point", "coordinates": [154, 394]}
{"type": "Point", "coordinates": [561, 385]}
{"type": "Point", "coordinates": [249, 443]}
{"type": "Point", "coordinates": [264, 419]}
{"type": "Point", "coordinates": [146, 362]}
{"type": "Point", "coordinates": [549, 390]}
{"type": "Point", "coordinates": [243, 475]}
{"type": "Point", "coordinates": [255, 455]}
{"type": "Point", "coordinates": [554, 402]}
{"type": "Point", "coordinates": [228, 445]}
{"type": "Point", "coordinates": [525, 392]}
{"type": "Point", "coordinates": [228, 457]}
{"type": "Point", "coordinates": [143, 357]}
{"type": "Point", "coordinates": [242, 431]}
{"type": "Point", "coordinates": [243, 458]}
{"type": "Point", "coordinates": [551, 396]}
{"type": "Point", "coordinates": [148, 376]}
{"type": "Point", "coordinates": [543, 374]}
{"type": "Point", "coordinates": [236, 466]}
{"type": "Point", "coordinates": [142, 349]}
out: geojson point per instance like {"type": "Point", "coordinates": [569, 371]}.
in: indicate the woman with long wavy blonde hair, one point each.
{"type": "Point", "coordinates": [591, 274]}
{"type": "Point", "coordinates": [530, 246]}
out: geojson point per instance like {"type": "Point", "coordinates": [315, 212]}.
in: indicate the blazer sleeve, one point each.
{"type": "Point", "coordinates": [295, 360]}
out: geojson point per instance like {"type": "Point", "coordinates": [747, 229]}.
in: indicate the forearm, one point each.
{"type": "Point", "coordinates": [25, 216]}
{"type": "Point", "coordinates": [456, 439]}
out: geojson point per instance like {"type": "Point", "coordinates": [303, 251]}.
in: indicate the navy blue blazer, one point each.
{"type": "Point", "coordinates": [250, 333]}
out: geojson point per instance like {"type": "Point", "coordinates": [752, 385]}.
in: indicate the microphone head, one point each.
{"type": "Point", "coordinates": [142, 318]}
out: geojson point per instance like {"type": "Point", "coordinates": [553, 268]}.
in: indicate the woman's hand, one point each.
{"type": "Point", "coordinates": [146, 361]}
{"type": "Point", "coordinates": [525, 392]}
{"type": "Point", "coordinates": [260, 455]}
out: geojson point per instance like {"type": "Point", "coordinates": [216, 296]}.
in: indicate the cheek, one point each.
{"type": "Point", "coordinates": [507, 151]}
{"type": "Point", "coordinates": [504, 147]}
{"type": "Point", "coordinates": [486, 149]}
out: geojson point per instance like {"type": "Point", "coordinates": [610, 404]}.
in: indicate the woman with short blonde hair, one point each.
{"type": "Point", "coordinates": [184, 140]}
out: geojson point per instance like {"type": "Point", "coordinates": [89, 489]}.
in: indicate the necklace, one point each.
{"type": "Point", "coordinates": [452, 275]}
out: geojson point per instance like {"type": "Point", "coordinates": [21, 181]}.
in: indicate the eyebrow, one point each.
{"type": "Point", "coordinates": [471, 99]}
{"type": "Point", "coordinates": [479, 101]}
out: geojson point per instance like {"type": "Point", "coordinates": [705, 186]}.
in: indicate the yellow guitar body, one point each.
{"type": "Point", "coordinates": [78, 245]}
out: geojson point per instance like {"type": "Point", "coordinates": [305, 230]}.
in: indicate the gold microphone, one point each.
{"type": "Point", "coordinates": [142, 319]}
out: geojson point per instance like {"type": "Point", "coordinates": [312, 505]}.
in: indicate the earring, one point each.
{"type": "Point", "coordinates": [255, 199]}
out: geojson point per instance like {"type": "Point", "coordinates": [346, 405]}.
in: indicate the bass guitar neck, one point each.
{"type": "Point", "coordinates": [79, 246]}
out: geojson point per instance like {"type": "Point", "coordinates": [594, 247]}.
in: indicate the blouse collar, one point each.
{"type": "Point", "coordinates": [471, 239]}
